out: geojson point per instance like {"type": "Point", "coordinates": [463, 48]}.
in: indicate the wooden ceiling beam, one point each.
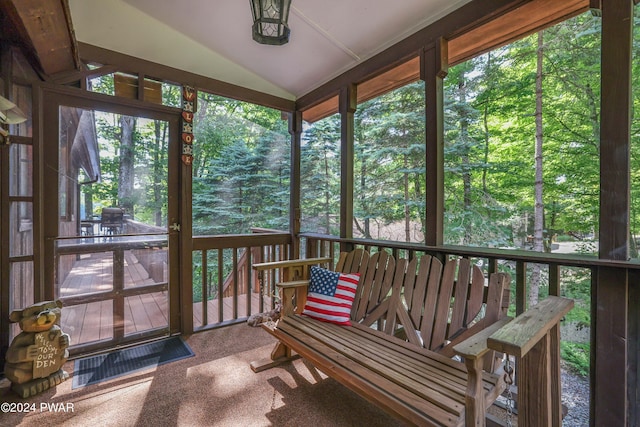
{"type": "Point", "coordinates": [45, 30]}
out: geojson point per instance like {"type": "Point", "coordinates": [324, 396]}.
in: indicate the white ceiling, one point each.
{"type": "Point", "coordinates": [213, 37]}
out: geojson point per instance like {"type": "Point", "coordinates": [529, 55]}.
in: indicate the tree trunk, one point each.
{"type": "Point", "coordinates": [407, 211]}
{"type": "Point", "coordinates": [125, 171]}
{"type": "Point", "coordinates": [485, 124]}
{"type": "Point", "coordinates": [327, 194]}
{"type": "Point", "coordinates": [538, 213]}
{"type": "Point", "coordinates": [466, 169]}
{"type": "Point", "coordinates": [158, 170]}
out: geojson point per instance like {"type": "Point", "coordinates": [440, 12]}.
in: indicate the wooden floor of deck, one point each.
{"type": "Point", "coordinates": [93, 321]}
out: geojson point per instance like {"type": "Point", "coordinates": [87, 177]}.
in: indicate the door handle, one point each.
{"type": "Point", "coordinates": [175, 226]}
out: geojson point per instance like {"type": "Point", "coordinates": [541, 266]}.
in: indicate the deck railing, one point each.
{"type": "Point", "coordinates": [117, 285]}
{"type": "Point", "coordinates": [225, 287]}
{"type": "Point", "coordinates": [224, 263]}
{"type": "Point", "coordinates": [493, 259]}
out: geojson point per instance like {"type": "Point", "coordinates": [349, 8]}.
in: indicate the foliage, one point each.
{"type": "Point", "coordinates": [240, 169]}
{"type": "Point", "coordinates": [320, 176]}
{"type": "Point", "coordinates": [576, 355]}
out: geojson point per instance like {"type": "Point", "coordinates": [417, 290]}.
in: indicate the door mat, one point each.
{"type": "Point", "coordinates": [102, 367]}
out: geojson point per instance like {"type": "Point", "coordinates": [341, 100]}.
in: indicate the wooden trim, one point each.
{"type": "Point", "coordinates": [513, 25]}
{"type": "Point", "coordinates": [432, 68]}
{"type": "Point", "coordinates": [295, 130]}
{"type": "Point", "coordinates": [230, 241]}
{"type": "Point", "coordinates": [126, 63]}
{"type": "Point", "coordinates": [321, 110]}
{"type": "Point", "coordinates": [180, 255]}
{"type": "Point", "coordinates": [348, 99]}
{"type": "Point", "coordinates": [402, 75]}
{"type": "Point", "coordinates": [610, 339]}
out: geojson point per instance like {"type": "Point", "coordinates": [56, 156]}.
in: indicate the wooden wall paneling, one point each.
{"type": "Point", "coordinates": [471, 30]}
{"type": "Point", "coordinates": [321, 110]}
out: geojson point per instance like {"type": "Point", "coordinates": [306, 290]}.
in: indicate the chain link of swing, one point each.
{"type": "Point", "coordinates": [508, 379]}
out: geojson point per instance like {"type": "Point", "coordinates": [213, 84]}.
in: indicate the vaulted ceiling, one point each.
{"type": "Point", "coordinates": [329, 39]}
{"type": "Point", "coordinates": [213, 38]}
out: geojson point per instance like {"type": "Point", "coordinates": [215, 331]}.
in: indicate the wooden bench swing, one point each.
{"type": "Point", "coordinates": [408, 320]}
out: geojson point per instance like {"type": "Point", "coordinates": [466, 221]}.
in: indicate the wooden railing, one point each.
{"type": "Point", "coordinates": [116, 289]}
{"type": "Point", "coordinates": [230, 258]}
{"type": "Point", "coordinates": [315, 245]}
{"type": "Point", "coordinates": [224, 275]}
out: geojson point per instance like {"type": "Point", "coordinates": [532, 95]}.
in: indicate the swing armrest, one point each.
{"type": "Point", "coordinates": [475, 347]}
{"type": "Point", "coordinates": [293, 284]}
{"type": "Point", "coordinates": [294, 280]}
{"type": "Point", "coordinates": [527, 329]}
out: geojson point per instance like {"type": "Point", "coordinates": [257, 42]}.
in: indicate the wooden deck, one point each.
{"type": "Point", "coordinates": [94, 321]}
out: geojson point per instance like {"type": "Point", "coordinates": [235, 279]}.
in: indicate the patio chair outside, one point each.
{"type": "Point", "coordinates": [111, 220]}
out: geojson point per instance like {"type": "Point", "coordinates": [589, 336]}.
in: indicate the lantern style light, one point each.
{"type": "Point", "coordinates": [270, 18]}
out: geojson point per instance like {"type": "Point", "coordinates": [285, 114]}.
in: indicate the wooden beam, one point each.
{"type": "Point", "coordinates": [127, 86]}
{"type": "Point", "coordinates": [323, 109]}
{"type": "Point", "coordinates": [513, 25]}
{"type": "Point", "coordinates": [433, 70]}
{"type": "Point", "coordinates": [46, 29]}
{"type": "Point", "coordinates": [348, 96]}
{"type": "Point", "coordinates": [615, 128]}
{"type": "Point", "coordinates": [406, 73]}
{"type": "Point", "coordinates": [295, 130]}
{"type": "Point", "coordinates": [611, 387]}
{"type": "Point", "coordinates": [130, 64]}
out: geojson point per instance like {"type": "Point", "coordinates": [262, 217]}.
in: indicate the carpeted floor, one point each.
{"type": "Point", "coordinates": [214, 388]}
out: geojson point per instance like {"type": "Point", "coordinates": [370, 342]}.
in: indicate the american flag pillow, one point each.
{"type": "Point", "coordinates": [330, 295]}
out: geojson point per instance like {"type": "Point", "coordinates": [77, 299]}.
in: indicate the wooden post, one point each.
{"type": "Point", "coordinates": [531, 338]}
{"type": "Point", "coordinates": [609, 394]}
{"type": "Point", "coordinates": [295, 130]}
{"type": "Point", "coordinates": [433, 70]}
{"type": "Point", "coordinates": [118, 287]}
{"type": "Point", "coordinates": [534, 387]}
{"type": "Point", "coordinates": [348, 102]}
{"type": "Point", "coordinates": [474, 412]}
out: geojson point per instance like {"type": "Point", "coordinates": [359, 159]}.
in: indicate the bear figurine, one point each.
{"type": "Point", "coordinates": [35, 357]}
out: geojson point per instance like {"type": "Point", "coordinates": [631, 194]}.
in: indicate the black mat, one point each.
{"type": "Point", "coordinates": [102, 367]}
